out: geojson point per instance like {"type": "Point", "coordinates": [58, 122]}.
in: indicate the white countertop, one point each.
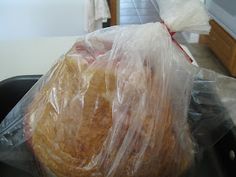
{"type": "Point", "coordinates": [34, 56]}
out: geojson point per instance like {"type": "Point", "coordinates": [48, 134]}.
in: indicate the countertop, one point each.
{"type": "Point", "coordinates": [34, 56]}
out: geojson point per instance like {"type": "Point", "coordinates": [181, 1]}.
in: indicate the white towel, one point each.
{"type": "Point", "coordinates": [96, 12]}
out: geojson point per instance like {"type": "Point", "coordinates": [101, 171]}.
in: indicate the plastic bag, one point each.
{"type": "Point", "coordinates": [184, 15]}
{"type": "Point", "coordinates": [105, 111]}
{"type": "Point", "coordinates": [212, 109]}
{"type": "Point", "coordinates": [116, 105]}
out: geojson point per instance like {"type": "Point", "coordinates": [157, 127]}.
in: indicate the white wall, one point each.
{"type": "Point", "coordinates": [37, 18]}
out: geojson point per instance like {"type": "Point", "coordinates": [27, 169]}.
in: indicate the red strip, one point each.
{"type": "Point", "coordinates": [188, 58]}
{"type": "Point", "coordinates": [184, 52]}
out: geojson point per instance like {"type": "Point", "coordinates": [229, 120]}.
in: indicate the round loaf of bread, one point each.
{"type": "Point", "coordinates": [88, 121]}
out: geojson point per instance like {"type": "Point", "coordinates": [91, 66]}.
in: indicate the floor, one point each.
{"type": "Point", "coordinates": [144, 11]}
{"type": "Point", "coordinates": [138, 11]}
{"type": "Point", "coordinates": [206, 58]}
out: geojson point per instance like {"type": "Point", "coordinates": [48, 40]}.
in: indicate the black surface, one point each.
{"type": "Point", "coordinates": [8, 171]}
{"type": "Point", "coordinates": [12, 90]}
{"type": "Point", "coordinates": [223, 149]}
{"type": "Point", "coordinates": [210, 125]}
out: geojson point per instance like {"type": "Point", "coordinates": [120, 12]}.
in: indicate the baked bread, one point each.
{"type": "Point", "coordinates": [89, 121]}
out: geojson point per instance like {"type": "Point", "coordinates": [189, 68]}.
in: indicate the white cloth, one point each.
{"type": "Point", "coordinates": [96, 12]}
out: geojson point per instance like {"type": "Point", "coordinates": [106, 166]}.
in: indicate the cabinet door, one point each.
{"type": "Point", "coordinates": [223, 45]}
{"type": "Point", "coordinates": [220, 48]}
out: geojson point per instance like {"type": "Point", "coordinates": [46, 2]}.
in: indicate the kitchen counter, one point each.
{"type": "Point", "coordinates": [34, 56]}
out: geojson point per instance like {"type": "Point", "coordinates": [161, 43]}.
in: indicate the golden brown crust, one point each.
{"type": "Point", "coordinates": [73, 130]}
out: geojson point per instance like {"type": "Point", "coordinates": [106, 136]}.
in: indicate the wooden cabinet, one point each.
{"type": "Point", "coordinates": [224, 46]}
{"type": "Point", "coordinates": [113, 9]}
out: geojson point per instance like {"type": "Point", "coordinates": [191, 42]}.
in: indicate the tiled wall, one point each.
{"type": "Point", "coordinates": [138, 11]}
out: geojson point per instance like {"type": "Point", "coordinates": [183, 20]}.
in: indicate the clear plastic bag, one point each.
{"type": "Point", "coordinates": [212, 109]}
{"type": "Point", "coordinates": [108, 110]}
{"type": "Point", "coordinates": [121, 102]}
{"type": "Point", "coordinates": [184, 15]}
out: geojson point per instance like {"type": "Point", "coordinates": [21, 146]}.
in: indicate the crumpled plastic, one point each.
{"type": "Point", "coordinates": [124, 101]}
